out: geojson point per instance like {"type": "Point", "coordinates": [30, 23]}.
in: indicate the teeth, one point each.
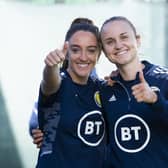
{"type": "Point", "coordinates": [122, 52]}
{"type": "Point", "coordinates": [83, 65]}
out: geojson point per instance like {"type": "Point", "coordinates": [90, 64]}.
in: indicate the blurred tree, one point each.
{"type": "Point", "coordinates": [9, 157]}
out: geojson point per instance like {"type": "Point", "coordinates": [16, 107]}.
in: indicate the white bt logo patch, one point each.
{"type": "Point", "coordinates": [91, 128]}
{"type": "Point", "coordinates": [131, 133]}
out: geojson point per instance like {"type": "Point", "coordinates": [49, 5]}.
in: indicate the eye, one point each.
{"type": "Point", "coordinates": [124, 37]}
{"type": "Point", "coordinates": [110, 42]}
{"type": "Point", "coordinates": [92, 50]}
{"type": "Point", "coordinates": [75, 50]}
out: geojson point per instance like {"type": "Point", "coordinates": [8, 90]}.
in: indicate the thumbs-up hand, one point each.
{"type": "Point", "coordinates": [57, 56]}
{"type": "Point", "coordinates": [142, 91]}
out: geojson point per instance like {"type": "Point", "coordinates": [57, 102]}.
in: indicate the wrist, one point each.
{"type": "Point", "coordinates": [154, 98]}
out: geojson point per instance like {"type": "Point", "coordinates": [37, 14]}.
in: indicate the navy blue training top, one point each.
{"type": "Point", "coordinates": [138, 132]}
{"type": "Point", "coordinates": [73, 126]}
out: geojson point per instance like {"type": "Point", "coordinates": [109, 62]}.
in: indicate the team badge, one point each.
{"type": "Point", "coordinates": [97, 98]}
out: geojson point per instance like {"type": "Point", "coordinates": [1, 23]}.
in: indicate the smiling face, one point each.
{"type": "Point", "coordinates": [120, 43]}
{"type": "Point", "coordinates": [83, 54]}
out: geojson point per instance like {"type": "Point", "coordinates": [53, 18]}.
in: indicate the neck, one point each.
{"type": "Point", "coordinates": [129, 71]}
{"type": "Point", "coordinates": [78, 79]}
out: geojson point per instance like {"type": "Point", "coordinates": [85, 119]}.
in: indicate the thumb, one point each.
{"type": "Point", "coordinates": [141, 77]}
{"type": "Point", "coordinates": [65, 48]}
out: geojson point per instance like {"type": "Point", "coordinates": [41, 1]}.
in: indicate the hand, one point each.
{"type": "Point", "coordinates": [37, 135]}
{"type": "Point", "coordinates": [114, 73]}
{"type": "Point", "coordinates": [111, 82]}
{"type": "Point", "coordinates": [142, 91]}
{"type": "Point", "coordinates": [57, 56]}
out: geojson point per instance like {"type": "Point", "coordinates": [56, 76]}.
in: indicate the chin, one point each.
{"type": "Point", "coordinates": [84, 75]}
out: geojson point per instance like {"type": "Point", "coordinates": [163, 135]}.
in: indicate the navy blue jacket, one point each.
{"type": "Point", "coordinates": [138, 132]}
{"type": "Point", "coordinates": [73, 126]}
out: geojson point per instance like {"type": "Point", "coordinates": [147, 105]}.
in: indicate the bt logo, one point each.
{"type": "Point", "coordinates": [91, 128]}
{"type": "Point", "coordinates": [131, 133]}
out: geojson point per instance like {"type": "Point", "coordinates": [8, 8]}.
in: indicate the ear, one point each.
{"type": "Point", "coordinates": [65, 47]}
{"type": "Point", "coordinates": [66, 50]}
{"type": "Point", "coordinates": [138, 39]}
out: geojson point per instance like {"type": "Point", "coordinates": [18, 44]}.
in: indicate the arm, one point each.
{"type": "Point", "coordinates": [51, 74]}
{"type": "Point", "coordinates": [161, 104]}
{"type": "Point", "coordinates": [156, 98]}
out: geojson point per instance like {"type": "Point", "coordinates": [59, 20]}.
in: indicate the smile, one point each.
{"type": "Point", "coordinates": [83, 65]}
{"type": "Point", "coordinates": [121, 53]}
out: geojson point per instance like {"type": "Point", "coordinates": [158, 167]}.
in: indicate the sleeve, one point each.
{"type": "Point", "coordinates": [161, 104]}
{"type": "Point", "coordinates": [45, 101]}
{"type": "Point", "coordinates": [33, 122]}
{"type": "Point", "coordinates": [44, 104]}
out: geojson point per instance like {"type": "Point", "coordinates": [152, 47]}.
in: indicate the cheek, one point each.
{"type": "Point", "coordinates": [71, 61]}
{"type": "Point", "coordinates": [108, 52]}
{"type": "Point", "coordinates": [72, 58]}
{"type": "Point", "coordinates": [134, 48]}
{"type": "Point", "coordinates": [107, 49]}
{"type": "Point", "coordinates": [94, 57]}
{"type": "Point", "coordinates": [94, 60]}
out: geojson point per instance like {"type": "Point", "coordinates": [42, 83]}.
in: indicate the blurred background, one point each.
{"type": "Point", "coordinates": [29, 29]}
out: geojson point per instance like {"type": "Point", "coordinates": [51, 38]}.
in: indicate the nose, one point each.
{"type": "Point", "coordinates": [83, 56]}
{"type": "Point", "coordinates": [118, 44]}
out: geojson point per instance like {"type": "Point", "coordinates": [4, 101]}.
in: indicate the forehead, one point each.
{"type": "Point", "coordinates": [83, 37]}
{"type": "Point", "coordinates": [116, 27]}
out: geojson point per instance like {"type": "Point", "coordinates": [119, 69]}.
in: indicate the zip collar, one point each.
{"type": "Point", "coordinates": [147, 67]}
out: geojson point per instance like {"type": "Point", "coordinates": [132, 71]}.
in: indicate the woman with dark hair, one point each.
{"type": "Point", "coordinates": [34, 130]}
{"type": "Point", "coordinates": [69, 107]}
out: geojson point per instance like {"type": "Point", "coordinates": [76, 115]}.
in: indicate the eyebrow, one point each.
{"type": "Point", "coordinates": [111, 38]}
{"type": "Point", "coordinates": [124, 33]}
{"type": "Point", "coordinates": [75, 45]}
